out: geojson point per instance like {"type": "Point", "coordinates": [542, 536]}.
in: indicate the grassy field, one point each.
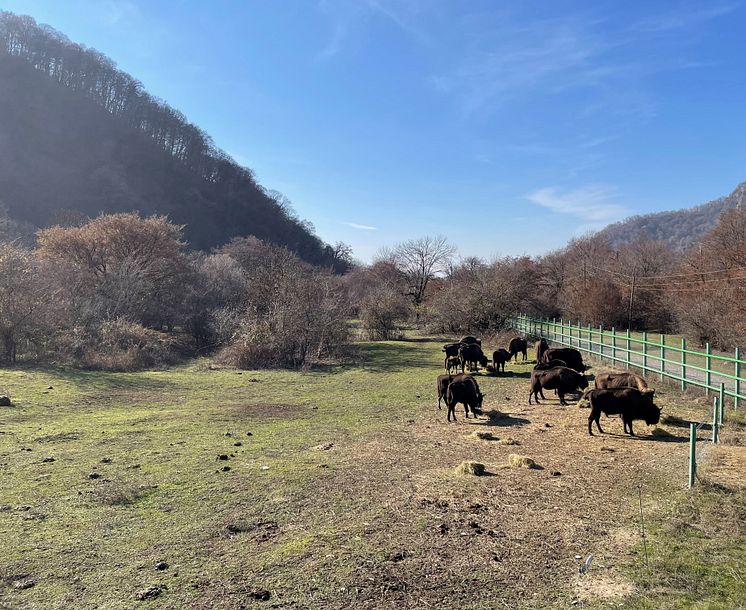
{"type": "Point", "coordinates": [337, 489]}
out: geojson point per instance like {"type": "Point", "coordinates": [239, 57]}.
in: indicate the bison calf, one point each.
{"type": "Point", "coordinates": [630, 403]}
{"type": "Point", "coordinates": [611, 380]}
{"type": "Point", "coordinates": [499, 358]}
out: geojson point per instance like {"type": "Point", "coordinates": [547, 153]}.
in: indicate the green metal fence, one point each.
{"type": "Point", "coordinates": [715, 373]}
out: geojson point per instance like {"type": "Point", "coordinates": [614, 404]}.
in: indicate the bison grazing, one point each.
{"type": "Point", "coordinates": [541, 347]}
{"type": "Point", "coordinates": [568, 354]}
{"type": "Point", "coordinates": [464, 389]}
{"type": "Point", "coordinates": [630, 403]}
{"type": "Point", "coordinates": [610, 381]}
{"type": "Point", "coordinates": [472, 355]}
{"type": "Point", "coordinates": [469, 340]}
{"type": "Point", "coordinates": [443, 382]}
{"type": "Point", "coordinates": [518, 345]}
{"type": "Point", "coordinates": [499, 358]}
{"type": "Point", "coordinates": [562, 379]}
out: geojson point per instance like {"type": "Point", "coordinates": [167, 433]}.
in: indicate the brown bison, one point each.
{"type": "Point", "coordinates": [541, 347]}
{"type": "Point", "coordinates": [464, 389]}
{"type": "Point", "coordinates": [630, 403]}
{"type": "Point", "coordinates": [469, 340]}
{"type": "Point", "coordinates": [569, 355]}
{"type": "Point", "coordinates": [472, 355]}
{"type": "Point", "coordinates": [518, 345]}
{"type": "Point", "coordinates": [613, 380]}
{"type": "Point", "coordinates": [562, 379]}
{"type": "Point", "coordinates": [499, 358]}
{"type": "Point", "coordinates": [451, 349]}
{"type": "Point", "coordinates": [442, 383]}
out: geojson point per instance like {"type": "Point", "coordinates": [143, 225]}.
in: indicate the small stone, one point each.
{"type": "Point", "coordinates": [24, 584]}
{"type": "Point", "coordinates": [323, 447]}
{"type": "Point", "coordinates": [48, 460]}
{"type": "Point", "coordinates": [261, 595]}
{"type": "Point", "coordinates": [237, 444]}
{"type": "Point", "coordinates": [225, 468]}
{"type": "Point", "coordinates": [161, 565]}
{"type": "Point", "coordinates": [556, 473]}
{"type": "Point", "coordinates": [106, 460]}
{"type": "Point", "coordinates": [94, 475]}
{"type": "Point", "coordinates": [23, 507]}
{"type": "Point", "coordinates": [222, 456]}
{"type": "Point", "coordinates": [547, 425]}
{"type": "Point", "coordinates": [50, 388]}
{"type": "Point", "coordinates": [228, 434]}
{"type": "Point", "coordinates": [249, 434]}
{"type": "Point", "coordinates": [5, 401]}
{"type": "Point", "coordinates": [150, 592]}
{"type": "Point", "coordinates": [264, 468]}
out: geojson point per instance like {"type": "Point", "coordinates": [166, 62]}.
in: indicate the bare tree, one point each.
{"type": "Point", "coordinates": [420, 260]}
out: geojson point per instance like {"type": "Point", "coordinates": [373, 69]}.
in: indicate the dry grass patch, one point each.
{"type": "Point", "coordinates": [470, 467]}
{"type": "Point", "coordinates": [521, 461]}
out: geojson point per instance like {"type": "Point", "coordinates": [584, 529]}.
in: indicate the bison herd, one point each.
{"type": "Point", "coordinates": [557, 368]}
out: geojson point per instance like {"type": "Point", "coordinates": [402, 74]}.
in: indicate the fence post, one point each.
{"type": "Point", "coordinates": [613, 345]}
{"type": "Point", "coordinates": [683, 364]}
{"type": "Point", "coordinates": [601, 341]}
{"type": "Point", "coordinates": [629, 348]}
{"type": "Point", "coordinates": [737, 372]}
{"type": "Point", "coordinates": [644, 352]}
{"type": "Point", "coordinates": [721, 409]}
{"type": "Point", "coordinates": [663, 355]}
{"type": "Point", "coordinates": [708, 362]}
{"type": "Point", "coordinates": [715, 425]}
{"type": "Point", "coordinates": [692, 453]}
{"type": "Point", "coordinates": [722, 394]}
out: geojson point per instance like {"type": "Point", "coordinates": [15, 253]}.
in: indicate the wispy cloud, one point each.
{"type": "Point", "coordinates": [348, 20]}
{"type": "Point", "coordinates": [684, 17]}
{"type": "Point", "coordinates": [355, 225]}
{"type": "Point", "coordinates": [594, 203]}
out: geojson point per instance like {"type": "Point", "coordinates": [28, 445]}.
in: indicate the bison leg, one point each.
{"type": "Point", "coordinates": [541, 393]}
{"type": "Point", "coordinates": [562, 399]}
{"type": "Point", "coordinates": [628, 424]}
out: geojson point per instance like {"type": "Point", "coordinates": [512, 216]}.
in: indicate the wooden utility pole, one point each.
{"type": "Point", "coordinates": [631, 299]}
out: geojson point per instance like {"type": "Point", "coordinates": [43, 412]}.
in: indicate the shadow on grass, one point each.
{"type": "Point", "coordinates": [501, 420]}
{"type": "Point", "coordinates": [644, 437]}
{"type": "Point", "coordinates": [396, 356]}
{"type": "Point", "coordinates": [101, 380]}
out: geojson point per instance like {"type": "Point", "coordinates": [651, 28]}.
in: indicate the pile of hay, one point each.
{"type": "Point", "coordinates": [484, 436]}
{"type": "Point", "coordinates": [469, 467]}
{"type": "Point", "coordinates": [661, 433]}
{"type": "Point", "coordinates": [521, 461]}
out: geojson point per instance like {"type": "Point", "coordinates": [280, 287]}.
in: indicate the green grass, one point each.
{"type": "Point", "coordinates": [697, 554]}
{"type": "Point", "coordinates": [360, 525]}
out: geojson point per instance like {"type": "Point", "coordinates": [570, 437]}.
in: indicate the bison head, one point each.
{"type": "Point", "coordinates": [653, 416]}
{"type": "Point", "coordinates": [483, 360]}
{"type": "Point", "coordinates": [480, 400]}
{"type": "Point", "coordinates": [582, 382]}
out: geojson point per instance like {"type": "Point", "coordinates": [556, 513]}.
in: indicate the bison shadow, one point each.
{"type": "Point", "coordinates": [502, 420]}
{"type": "Point", "coordinates": [646, 436]}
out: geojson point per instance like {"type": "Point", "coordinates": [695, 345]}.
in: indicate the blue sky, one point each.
{"type": "Point", "coordinates": [510, 127]}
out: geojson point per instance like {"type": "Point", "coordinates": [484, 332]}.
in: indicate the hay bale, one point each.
{"type": "Point", "coordinates": [484, 436]}
{"type": "Point", "coordinates": [520, 461]}
{"type": "Point", "coordinates": [508, 441]}
{"type": "Point", "coordinates": [472, 468]}
{"type": "Point", "coordinates": [661, 433]}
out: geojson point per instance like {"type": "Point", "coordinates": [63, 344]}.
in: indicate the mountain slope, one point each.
{"type": "Point", "coordinates": [682, 229]}
{"type": "Point", "coordinates": [80, 137]}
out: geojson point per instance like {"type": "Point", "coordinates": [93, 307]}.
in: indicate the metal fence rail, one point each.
{"type": "Point", "coordinates": [713, 372]}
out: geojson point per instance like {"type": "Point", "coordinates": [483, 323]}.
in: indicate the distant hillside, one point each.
{"type": "Point", "coordinates": [682, 229]}
{"type": "Point", "coordinates": [79, 137]}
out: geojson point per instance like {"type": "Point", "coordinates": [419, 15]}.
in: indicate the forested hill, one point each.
{"type": "Point", "coordinates": [79, 137]}
{"type": "Point", "coordinates": [680, 228]}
